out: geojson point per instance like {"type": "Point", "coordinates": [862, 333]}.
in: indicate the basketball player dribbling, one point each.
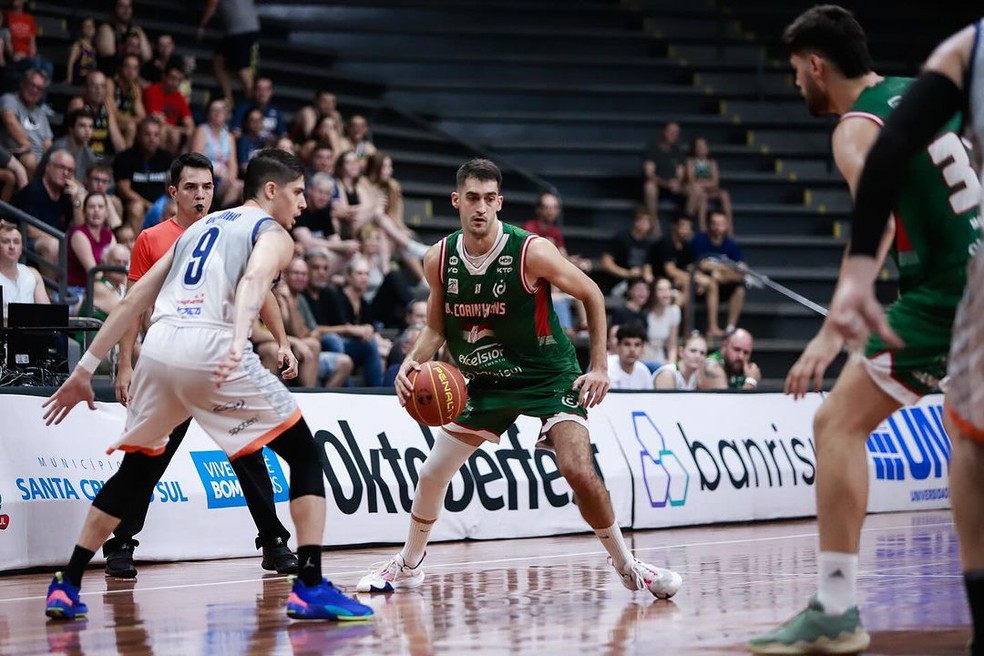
{"type": "Point", "coordinates": [489, 301]}
{"type": "Point", "coordinates": [952, 80]}
{"type": "Point", "coordinates": [934, 230]}
{"type": "Point", "coordinates": [196, 356]}
{"type": "Point", "coordinates": [191, 186]}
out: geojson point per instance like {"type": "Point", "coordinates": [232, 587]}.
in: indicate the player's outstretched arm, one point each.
{"type": "Point", "coordinates": [544, 262]}
{"type": "Point", "coordinates": [432, 336]}
{"type": "Point", "coordinates": [271, 254]}
{"type": "Point", "coordinates": [78, 387]}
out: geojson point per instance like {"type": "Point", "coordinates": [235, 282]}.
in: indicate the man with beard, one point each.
{"type": "Point", "coordinates": [731, 366]}
{"type": "Point", "coordinates": [933, 234]}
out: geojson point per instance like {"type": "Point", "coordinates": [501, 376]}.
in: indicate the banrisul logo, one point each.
{"type": "Point", "coordinates": [911, 444]}
{"type": "Point", "coordinates": [665, 477]}
{"type": "Point", "coordinates": [222, 486]}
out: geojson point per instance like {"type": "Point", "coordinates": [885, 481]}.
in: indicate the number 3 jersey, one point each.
{"type": "Point", "coordinates": [209, 259]}
{"type": "Point", "coordinates": [937, 215]}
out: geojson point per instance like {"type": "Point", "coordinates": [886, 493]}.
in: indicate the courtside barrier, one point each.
{"type": "Point", "coordinates": [667, 459]}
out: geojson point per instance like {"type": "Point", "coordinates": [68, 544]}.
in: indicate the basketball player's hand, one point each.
{"type": "Point", "coordinates": [123, 375]}
{"type": "Point", "coordinates": [229, 363]}
{"type": "Point", "coordinates": [593, 387]}
{"type": "Point", "coordinates": [812, 364]}
{"type": "Point", "coordinates": [855, 312]}
{"type": "Point", "coordinates": [77, 388]}
{"type": "Point", "coordinates": [404, 388]}
{"type": "Point", "coordinates": [287, 362]}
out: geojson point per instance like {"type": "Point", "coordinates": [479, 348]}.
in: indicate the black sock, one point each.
{"type": "Point", "coordinates": [974, 582]}
{"type": "Point", "coordinates": [309, 564]}
{"type": "Point", "coordinates": [76, 566]}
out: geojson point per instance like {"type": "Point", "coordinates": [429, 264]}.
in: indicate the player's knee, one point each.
{"type": "Point", "coordinates": [296, 446]}
{"type": "Point", "coordinates": [119, 491]}
{"type": "Point", "coordinates": [581, 478]}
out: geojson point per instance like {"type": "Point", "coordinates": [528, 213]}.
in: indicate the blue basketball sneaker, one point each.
{"type": "Point", "coordinates": [63, 601]}
{"type": "Point", "coordinates": [324, 602]}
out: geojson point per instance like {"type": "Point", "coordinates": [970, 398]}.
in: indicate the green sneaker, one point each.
{"type": "Point", "coordinates": [813, 631]}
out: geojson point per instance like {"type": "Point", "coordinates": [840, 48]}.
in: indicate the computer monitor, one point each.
{"type": "Point", "coordinates": [32, 347]}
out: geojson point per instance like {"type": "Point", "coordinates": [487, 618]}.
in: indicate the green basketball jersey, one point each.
{"type": "Point", "coordinates": [936, 218]}
{"type": "Point", "coordinates": [498, 330]}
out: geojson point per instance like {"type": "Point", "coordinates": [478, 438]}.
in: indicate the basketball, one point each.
{"type": "Point", "coordinates": [439, 393]}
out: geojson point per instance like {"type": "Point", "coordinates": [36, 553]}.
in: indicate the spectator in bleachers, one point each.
{"type": "Point", "coordinates": [5, 50]}
{"type": "Point", "coordinates": [336, 324]}
{"type": "Point", "coordinates": [152, 70]}
{"type": "Point", "coordinates": [673, 257]}
{"type": "Point", "coordinates": [287, 145]}
{"type": "Point", "coordinates": [334, 368]}
{"type": "Point", "coordinates": [99, 179]}
{"type": "Point", "coordinates": [358, 311]}
{"type": "Point", "coordinates": [359, 138]}
{"type": "Point", "coordinates": [635, 304]}
{"type": "Point", "coordinates": [686, 372]}
{"type": "Point", "coordinates": [731, 367]}
{"type": "Point", "coordinates": [328, 132]}
{"type": "Point", "coordinates": [240, 45]}
{"type": "Point", "coordinates": [356, 203]}
{"type": "Point", "coordinates": [628, 252]}
{"type": "Point", "coordinates": [88, 242]}
{"type": "Point", "coordinates": [78, 135]}
{"type": "Point", "coordinates": [214, 140]}
{"type": "Point", "coordinates": [251, 140]}
{"type": "Point", "coordinates": [13, 175]}
{"type": "Point", "coordinates": [125, 96]}
{"type": "Point", "coordinates": [125, 236]}
{"type": "Point", "coordinates": [309, 116]}
{"type": "Point", "coordinates": [267, 348]}
{"type": "Point", "coordinates": [625, 369]}
{"type": "Point", "coordinates": [261, 97]}
{"type": "Point", "coordinates": [388, 288]}
{"type": "Point", "coordinates": [398, 353]}
{"type": "Point", "coordinates": [111, 36]}
{"type": "Point", "coordinates": [730, 281]}
{"type": "Point", "coordinates": [703, 180]}
{"type": "Point", "coordinates": [315, 229]}
{"type": "Point", "coordinates": [322, 161]}
{"type": "Point", "coordinates": [110, 287]}
{"type": "Point", "coordinates": [20, 283]}
{"type": "Point", "coordinates": [52, 198]}
{"type": "Point", "coordinates": [26, 130]}
{"type": "Point", "coordinates": [141, 172]}
{"type": "Point", "coordinates": [165, 101]}
{"type": "Point", "coordinates": [107, 140]}
{"type": "Point", "coordinates": [24, 40]}
{"type": "Point", "coordinates": [663, 170]}
{"type": "Point", "coordinates": [662, 323]}
{"type": "Point", "coordinates": [82, 54]}
{"type": "Point", "coordinates": [545, 223]}
{"type": "Point", "coordinates": [379, 172]}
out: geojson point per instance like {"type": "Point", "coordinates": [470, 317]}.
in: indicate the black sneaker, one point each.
{"type": "Point", "coordinates": [278, 557]}
{"type": "Point", "coordinates": [119, 562]}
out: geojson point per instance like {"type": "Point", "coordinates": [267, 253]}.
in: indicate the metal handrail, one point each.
{"type": "Point", "coordinates": [768, 282]}
{"type": "Point", "coordinates": [90, 283]}
{"type": "Point", "coordinates": [23, 219]}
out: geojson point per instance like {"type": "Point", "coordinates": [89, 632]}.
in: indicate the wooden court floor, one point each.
{"type": "Point", "coordinates": [536, 596]}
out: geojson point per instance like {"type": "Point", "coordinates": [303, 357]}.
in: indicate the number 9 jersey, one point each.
{"type": "Point", "coordinates": [209, 259]}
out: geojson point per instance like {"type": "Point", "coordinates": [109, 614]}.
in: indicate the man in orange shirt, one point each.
{"type": "Point", "coordinates": [191, 188]}
{"type": "Point", "coordinates": [23, 39]}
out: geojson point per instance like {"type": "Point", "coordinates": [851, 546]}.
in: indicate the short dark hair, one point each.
{"type": "Point", "coordinates": [270, 165]}
{"type": "Point", "coordinates": [480, 169]}
{"type": "Point", "coordinates": [631, 330]}
{"type": "Point", "coordinates": [188, 161]}
{"type": "Point", "coordinates": [175, 63]}
{"type": "Point", "coordinates": [681, 217]}
{"type": "Point", "coordinates": [833, 33]}
{"type": "Point", "coordinates": [74, 116]}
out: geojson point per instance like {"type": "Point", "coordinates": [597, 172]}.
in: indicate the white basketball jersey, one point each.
{"type": "Point", "coordinates": [209, 259]}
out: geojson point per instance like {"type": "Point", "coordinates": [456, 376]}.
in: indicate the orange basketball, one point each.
{"type": "Point", "coordinates": [439, 393]}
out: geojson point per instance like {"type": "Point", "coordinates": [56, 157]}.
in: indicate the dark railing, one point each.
{"type": "Point", "coordinates": [55, 275]}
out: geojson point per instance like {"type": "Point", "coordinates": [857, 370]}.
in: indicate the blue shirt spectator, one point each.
{"type": "Point", "coordinates": [716, 240]}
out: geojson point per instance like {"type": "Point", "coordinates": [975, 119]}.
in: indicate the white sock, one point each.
{"type": "Point", "coordinates": [838, 578]}
{"type": "Point", "coordinates": [611, 538]}
{"type": "Point", "coordinates": [416, 544]}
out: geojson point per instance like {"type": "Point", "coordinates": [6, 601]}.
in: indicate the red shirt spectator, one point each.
{"type": "Point", "coordinates": [544, 223]}
{"type": "Point", "coordinates": [172, 105]}
{"type": "Point", "coordinates": [23, 31]}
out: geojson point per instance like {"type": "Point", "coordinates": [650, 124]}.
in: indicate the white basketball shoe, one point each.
{"type": "Point", "coordinates": [662, 583]}
{"type": "Point", "coordinates": [393, 574]}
